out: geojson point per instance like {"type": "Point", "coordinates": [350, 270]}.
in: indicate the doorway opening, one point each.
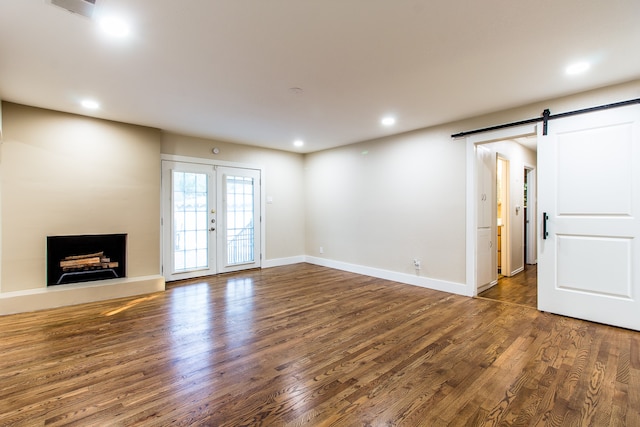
{"type": "Point", "coordinates": [211, 218]}
{"type": "Point", "coordinates": [502, 210]}
{"type": "Point", "coordinates": [521, 289]}
{"type": "Point", "coordinates": [512, 246]}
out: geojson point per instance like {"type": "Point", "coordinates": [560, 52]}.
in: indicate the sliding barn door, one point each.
{"type": "Point", "coordinates": [589, 214]}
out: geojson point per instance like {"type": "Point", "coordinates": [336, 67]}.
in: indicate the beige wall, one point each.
{"type": "Point", "coordinates": [67, 174]}
{"type": "Point", "coordinates": [283, 184]}
{"type": "Point", "coordinates": [383, 203]}
{"type": "Point", "coordinates": [376, 204]}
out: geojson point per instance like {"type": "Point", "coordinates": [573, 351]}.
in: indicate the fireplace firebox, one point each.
{"type": "Point", "coordinates": [85, 258]}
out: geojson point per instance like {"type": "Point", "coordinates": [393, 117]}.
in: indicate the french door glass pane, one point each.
{"type": "Point", "coordinates": [239, 215]}
{"type": "Point", "coordinates": [190, 213]}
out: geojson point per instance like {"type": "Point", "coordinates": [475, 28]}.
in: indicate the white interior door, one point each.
{"type": "Point", "coordinates": [188, 220]}
{"type": "Point", "coordinates": [589, 188]}
{"type": "Point", "coordinates": [486, 264]}
{"type": "Point", "coordinates": [239, 202]}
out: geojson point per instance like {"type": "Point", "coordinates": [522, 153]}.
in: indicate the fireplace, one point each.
{"type": "Point", "coordinates": [85, 258]}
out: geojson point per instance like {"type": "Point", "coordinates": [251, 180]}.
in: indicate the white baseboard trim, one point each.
{"type": "Point", "coordinates": [277, 262]}
{"type": "Point", "coordinates": [516, 271]}
{"type": "Point", "coordinates": [78, 293]}
{"type": "Point", "coordinates": [487, 286]}
{"type": "Point", "coordinates": [424, 282]}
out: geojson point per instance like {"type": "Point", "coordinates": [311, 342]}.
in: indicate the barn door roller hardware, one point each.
{"type": "Point", "coordinates": [546, 116]}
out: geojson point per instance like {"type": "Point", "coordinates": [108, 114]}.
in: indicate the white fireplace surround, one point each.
{"type": "Point", "coordinates": [78, 293]}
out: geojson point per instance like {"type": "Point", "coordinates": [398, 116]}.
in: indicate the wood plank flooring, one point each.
{"type": "Point", "coordinates": [521, 288]}
{"type": "Point", "coordinates": [308, 345]}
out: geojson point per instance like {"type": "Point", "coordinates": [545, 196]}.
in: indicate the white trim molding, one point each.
{"type": "Point", "coordinates": [471, 288]}
{"type": "Point", "coordinates": [206, 161]}
{"type": "Point", "coordinates": [409, 279]}
{"type": "Point", "coordinates": [223, 163]}
{"type": "Point", "coordinates": [278, 262]}
{"type": "Point", "coordinates": [78, 293]}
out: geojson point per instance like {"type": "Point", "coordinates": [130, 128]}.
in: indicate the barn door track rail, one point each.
{"type": "Point", "coordinates": [546, 116]}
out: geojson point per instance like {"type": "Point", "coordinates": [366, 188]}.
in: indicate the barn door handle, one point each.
{"type": "Point", "coordinates": [545, 233]}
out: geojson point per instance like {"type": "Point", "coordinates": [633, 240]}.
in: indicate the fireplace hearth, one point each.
{"type": "Point", "coordinates": [85, 258]}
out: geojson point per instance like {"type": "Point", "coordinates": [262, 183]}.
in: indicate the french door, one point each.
{"type": "Point", "coordinates": [589, 213]}
{"type": "Point", "coordinates": [188, 220]}
{"type": "Point", "coordinates": [210, 219]}
{"type": "Point", "coordinates": [239, 203]}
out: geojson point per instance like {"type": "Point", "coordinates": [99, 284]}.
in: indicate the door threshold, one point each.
{"type": "Point", "coordinates": [506, 302]}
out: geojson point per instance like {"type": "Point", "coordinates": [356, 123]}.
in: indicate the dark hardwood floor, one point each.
{"type": "Point", "coordinates": [519, 289]}
{"type": "Point", "coordinates": [308, 345]}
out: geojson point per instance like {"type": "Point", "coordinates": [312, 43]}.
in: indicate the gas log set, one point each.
{"type": "Point", "coordinates": [95, 261]}
{"type": "Point", "coordinates": [85, 258]}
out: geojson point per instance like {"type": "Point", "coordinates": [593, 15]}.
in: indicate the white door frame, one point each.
{"type": "Point", "coordinates": [506, 236]}
{"type": "Point", "coordinates": [215, 162]}
{"type": "Point", "coordinates": [471, 205]}
{"type": "Point", "coordinates": [221, 195]}
{"type": "Point", "coordinates": [532, 207]}
{"type": "Point", "coordinates": [167, 220]}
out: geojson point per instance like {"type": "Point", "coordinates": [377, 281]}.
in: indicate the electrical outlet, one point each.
{"type": "Point", "coordinates": [416, 263]}
{"type": "Point", "coordinates": [321, 250]}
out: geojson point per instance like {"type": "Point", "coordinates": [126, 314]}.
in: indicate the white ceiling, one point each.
{"type": "Point", "coordinates": [224, 69]}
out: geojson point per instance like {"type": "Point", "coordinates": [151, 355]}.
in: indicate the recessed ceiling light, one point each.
{"type": "Point", "coordinates": [577, 68]}
{"type": "Point", "coordinates": [114, 27]}
{"type": "Point", "coordinates": [298, 143]}
{"type": "Point", "coordinates": [90, 104]}
{"type": "Point", "coordinates": [388, 121]}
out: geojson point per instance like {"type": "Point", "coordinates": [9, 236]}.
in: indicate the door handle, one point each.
{"type": "Point", "coordinates": [545, 233]}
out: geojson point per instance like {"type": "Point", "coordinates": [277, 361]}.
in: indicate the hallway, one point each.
{"type": "Point", "coordinates": [519, 289]}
